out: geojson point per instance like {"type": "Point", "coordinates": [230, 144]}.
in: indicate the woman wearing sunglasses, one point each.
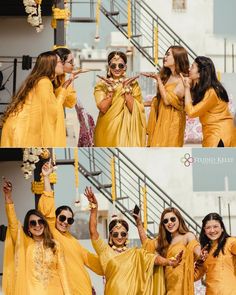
{"type": "Point", "coordinates": [173, 237]}
{"type": "Point", "coordinates": [206, 98]}
{"type": "Point", "coordinates": [33, 260]}
{"type": "Point", "coordinates": [76, 256]}
{"type": "Point", "coordinates": [127, 271]}
{"type": "Point", "coordinates": [121, 120]}
{"type": "Point", "coordinates": [166, 123]}
{"type": "Point", "coordinates": [219, 264]}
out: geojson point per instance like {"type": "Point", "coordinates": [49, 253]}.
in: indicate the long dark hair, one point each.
{"type": "Point", "coordinates": [64, 207]}
{"type": "Point", "coordinates": [121, 54]}
{"type": "Point", "coordinates": [180, 55]}
{"type": "Point", "coordinates": [204, 240]}
{"type": "Point", "coordinates": [207, 80]}
{"type": "Point", "coordinates": [44, 67]}
{"type": "Point", "coordinates": [164, 236]}
{"type": "Point", "coordinates": [63, 53]}
{"type": "Point", "coordinates": [48, 241]}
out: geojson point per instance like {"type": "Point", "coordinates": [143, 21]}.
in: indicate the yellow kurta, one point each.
{"type": "Point", "coordinates": [166, 123]}
{"type": "Point", "coordinates": [36, 123]}
{"type": "Point", "coordinates": [179, 280]}
{"type": "Point", "coordinates": [76, 257]}
{"type": "Point", "coordinates": [119, 127]}
{"type": "Point", "coordinates": [29, 268]}
{"type": "Point", "coordinates": [69, 101]}
{"type": "Point", "coordinates": [220, 271]}
{"type": "Point", "coordinates": [129, 272]}
{"type": "Point", "coordinates": [215, 117]}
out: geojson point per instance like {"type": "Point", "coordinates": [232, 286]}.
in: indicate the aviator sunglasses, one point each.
{"type": "Point", "coordinates": [63, 218]}
{"type": "Point", "coordinates": [123, 234]}
{"type": "Point", "coordinates": [166, 220]}
{"type": "Point", "coordinates": [114, 66]}
{"type": "Point", "coordinates": [34, 223]}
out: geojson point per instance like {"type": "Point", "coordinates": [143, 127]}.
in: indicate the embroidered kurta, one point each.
{"type": "Point", "coordinates": [126, 273]}
{"type": "Point", "coordinates": [178, 280]}
{"type": "Point", "coordinates": [166, 123]}
{"type": "Point", "coordinates": [30, 268]}
{"type": "Point", "coordinates": [220, 271]}
{"type": "Point", "coordinates": [39, 120]}
{"type": "Point", "coordinates": [216, 120]}
{"type": "Point", "coordinates": [118, 126]}
{"type": "Point", "coordinates": [76, 257]}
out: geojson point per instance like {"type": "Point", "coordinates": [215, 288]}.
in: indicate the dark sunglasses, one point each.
{"type": "Point", "coordinates": [166, 220]}
{"type": "Point", "coordinates": [34, 223]}
{"type": "Point", "coordinates": [123, 234]}
{"type": "Point", "coordinates": [63, 218]}
{"type": "Point", "coordinates": [114, 66]}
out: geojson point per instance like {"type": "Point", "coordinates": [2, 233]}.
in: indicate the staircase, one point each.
{"type": "Point", "coordinates": [143, 22]}
{"type": "Point", "coordinates": [94, 165]}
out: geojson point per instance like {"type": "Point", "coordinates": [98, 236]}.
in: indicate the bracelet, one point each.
{"type": "Point", "coordinates": [92, 205]}
{"type": "Point", "coordinates": [128, 89]}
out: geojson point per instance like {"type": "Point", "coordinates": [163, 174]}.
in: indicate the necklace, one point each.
{"type": "Point", "coordinates": [116, 83]}
{"type": "Point", "coordinates": [119, 250]}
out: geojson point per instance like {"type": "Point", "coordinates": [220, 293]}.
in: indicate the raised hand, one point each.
{"type": "Point", "coordinates": [151, 75]}
{"type": "Point", "coordinates": [47, 168]}
{"type": "Point", "coordinates": [204, 253]}
{"type": "Point", "coordinates": [129, 81]}
{"type": "Point", "coordinates": [186, 81]}
{"type": "Point", "coordinates": [90, 195]}
{"type": "Point", "coordinates": [107, 81]}
{"type": "Point", "coordinates": [7, 190]}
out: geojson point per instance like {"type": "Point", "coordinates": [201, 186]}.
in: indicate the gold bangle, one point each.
{"type": "Point", "coordinates": [92, 205]}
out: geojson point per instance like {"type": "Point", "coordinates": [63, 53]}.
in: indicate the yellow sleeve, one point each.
{"type": "Point", "coordinates": [71, 97]}
{"type": "Point", "coordinates": [209, 100]}
{"type": "Point", "coordinates": [233, 246]}
{"type": "Point", "coordinates": [12, 221]}
{"type": "Point", "coordinates": [92, 261]}
{"type": "Point", "coordinates": [150, 245]}
{"type": "Point", "coordinates": [45, 95]}
{"type": "Point", "coordinates": [62, 270]}
{"type": "Point", "coordinates": [47, 206]}
{"type": "Point", "coordinates": [100, 92]}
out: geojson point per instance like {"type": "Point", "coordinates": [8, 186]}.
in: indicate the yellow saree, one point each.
{"type": "Point", "coordinates": [29, 268]}
{"type": "Point", "coordinates": [76, 257]}
{"type": "Point", "coordinates": [130, 272]}
{"type": "Point", "coordinates": [166, 123]}
{"type": "Point", "coordinates": [178, 280]}
{"type": "Point", "coordinates": [118, 126]}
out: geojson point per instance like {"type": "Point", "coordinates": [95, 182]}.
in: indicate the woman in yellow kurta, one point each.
{"type": "Point", "coordinates": [34, 115]}
{"type": "Point", "coordinates": [207, 99]}
{"type": "Point", "coordinates": [33, 261]}
{"type": "Point", "coordinates": [219, 265]}
{"type": "Point", "coordinates": [76, 256]}
{"type": "Point", "coordinates": [127, 271]}
{"type": "Point", "coordinates": [166, 123]}
{"type": "Point", "coordinates": [121, 120]}
{"type": "Point", "coordinates": [174, 237]}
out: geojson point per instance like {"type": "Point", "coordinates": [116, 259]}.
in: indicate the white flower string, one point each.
{"type": "Point", "coordinates": [33, 9]}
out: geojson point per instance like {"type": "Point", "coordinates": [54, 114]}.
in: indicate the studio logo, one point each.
{"type": "Point", "coordinates": [187, 160]}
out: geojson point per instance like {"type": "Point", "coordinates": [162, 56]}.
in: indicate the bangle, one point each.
{"type": "Point", "coordinates": [92, 205]}
{"type": "Point", "coordinates": [128, 89]}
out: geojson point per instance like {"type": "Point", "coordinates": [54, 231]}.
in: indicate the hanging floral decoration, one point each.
{"type": "Point", "coordinates": [33, 9]}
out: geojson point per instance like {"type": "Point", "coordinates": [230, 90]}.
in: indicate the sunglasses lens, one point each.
{"type": "Point", "coordinates": [113, 66]}
{"type": "Point", "coordinates": [115, 235]}
{"type": "Point", "coordinates": [41, 222]}
{"type": "Point", "coordinates": [121, 66]}
{"type": "Point", "coordinates": [172, 219]}
{"type": "Point", "coordinates": [165, 221]}
{"type": "Point", "coordinates": [123, 234]}
{"type": "Point", "coordinates": [70, 220]}
{"type": "Point", "coordinates": [33, 223]}
{"type": "Point", "coordinates": [62, 218]}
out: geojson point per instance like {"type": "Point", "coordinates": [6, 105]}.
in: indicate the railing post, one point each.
{"type": "Point", "coordinates": [232, 58]}
{"type": "Point", "coordinates": [225, 55]}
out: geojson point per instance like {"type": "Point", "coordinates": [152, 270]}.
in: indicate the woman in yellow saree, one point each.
{"type": "Point", "coordinates": [127, 271]}
{"type": "Point", "coordinates": [206, 98]}
{"type": "Point", "coordinates": [33, 261]}
{"type": "Point", "coordinates": [33, 116]}
{"type": "Point", "coordinates": [76, 256]}
{"type": "Point", "coordinates": [219, 263]}
{"type": "Point", "coordinates": [166, 123]}
{"type": "Point", "coordinates": [174, 237]}
{"type": "Point", "coordinates": [121, 120]}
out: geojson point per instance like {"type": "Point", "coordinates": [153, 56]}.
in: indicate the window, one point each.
{"type": "Point", "coordinates": [179, 5]}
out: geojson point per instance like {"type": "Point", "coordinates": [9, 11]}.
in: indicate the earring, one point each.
{"type": "Point", "coordinates": [29, 233]}
{"type": "Point", "coordinates": [127, 242]}
{"type": "Point", "coordinates": [109, 72]}
{"type": "Point", "coordinates": [124, 74]}
{"type": "Point", "coordinates": [110, 242]}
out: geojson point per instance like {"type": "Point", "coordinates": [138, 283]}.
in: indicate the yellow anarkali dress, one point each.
{"type": "Point", "coordinates": [29, 268]}
{"type": "Point", "coordinates": [178, 280]}
{"type": "Point", "coordinates": [76, 257]}
{"type": "Point", "coordinates": [220, 271]}
{"type": "Point", "coordinates": [40, 122]}
{"type": "Point", "coordinates": [216, 120]}
{"type": "Point", "coordinates": [118, 126]}
{"type": "Point", "coordinates": [166, 123]}
{"type": "Point", "coordinates": [126, 273]}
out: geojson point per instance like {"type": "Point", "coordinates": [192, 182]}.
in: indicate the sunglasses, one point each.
{"type": "Point", "coordinates": [34, 223]}
{"type": "Point", "coordinates": [123, 234]}
{"type": "Point", "coordinates": [114, 66]}
{"type": "Point", "coordinates": [63, 218]}
{"type": "Point", "coordinates": [166, 220]}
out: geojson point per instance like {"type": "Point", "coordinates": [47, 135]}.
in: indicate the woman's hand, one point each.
{"type": "Point", "coordinates": [151, 75]}
{"type": "Point", "coordinates": [175, 261]}
{"type": "Point", "coordinates": [47, 169]}
{"type": "Point", "coordinates": [7, 190]}
{"type": "Point", "coordinates": [186, 81]}
{"type": "Point", "coordinates": [90, 196]}
{"type": "Point", "coordinates": [129, 81]}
